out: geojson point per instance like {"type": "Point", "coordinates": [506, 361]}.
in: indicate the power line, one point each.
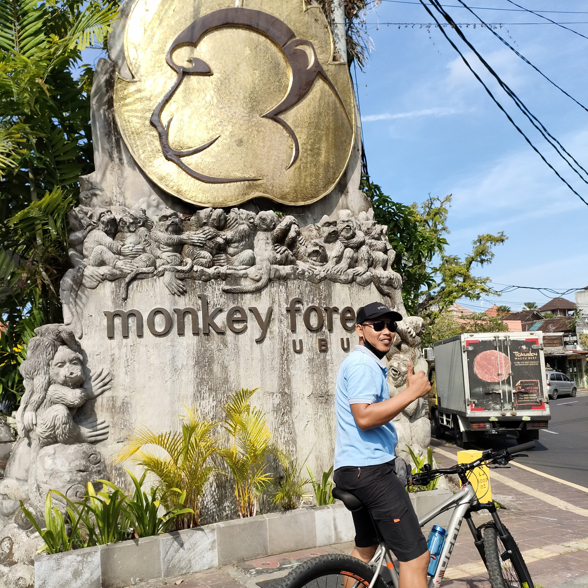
{"type": "Point", "coordinates": [505, 42]}
{"type": "Point", "coordinates": [547, 292]}
{"type": "Point", "coordinates": [559, 24]}
{"type": "Point", "coordinates": [487, 8]}
{"type": "Point", "coordinates": [518, 102]}
{"type": "Point", "coordinates": [470, 24]}
{"type": "Point", "coordinates": [507, 90]}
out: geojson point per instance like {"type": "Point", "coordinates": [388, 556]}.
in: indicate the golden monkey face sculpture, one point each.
{"type": "Point", "coordinates": [239, 104]}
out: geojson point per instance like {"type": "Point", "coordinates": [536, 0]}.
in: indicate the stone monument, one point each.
{"type": "Point", "coordinates": [221, 242]}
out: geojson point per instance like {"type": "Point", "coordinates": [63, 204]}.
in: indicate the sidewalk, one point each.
{"type": "Point", "coordinates": [548, 519]}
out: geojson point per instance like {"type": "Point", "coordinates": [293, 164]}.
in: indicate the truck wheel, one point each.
{"type": "Point", "coordinates": [554, 395]}
{"type": "Point", "coordinates": [438, 432]}
{"type": "Point", "coordinates": [527, 436]}
{"type": "Point", "coordinates": [459, 435]}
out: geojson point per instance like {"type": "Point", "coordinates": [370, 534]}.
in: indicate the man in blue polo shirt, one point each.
{"type": "Point", "coordinates": [366, 440]}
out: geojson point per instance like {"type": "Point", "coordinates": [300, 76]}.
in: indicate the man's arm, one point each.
{"type": "Point", "coordinates": [368, 416]}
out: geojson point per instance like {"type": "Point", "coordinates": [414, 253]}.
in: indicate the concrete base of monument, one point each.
{"type": "Point", "coordinates": [166, 352]}
{"type": "Point", "coordinates": [183, 552]}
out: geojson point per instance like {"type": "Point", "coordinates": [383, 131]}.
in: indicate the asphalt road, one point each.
{"type": "Point", "coordinates": [562, 451]}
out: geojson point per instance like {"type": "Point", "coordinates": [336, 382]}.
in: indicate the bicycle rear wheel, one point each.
{"type": "Point", "coordinates": [332, 571]}
{"type": "Point", "coordinates": [505, 564]}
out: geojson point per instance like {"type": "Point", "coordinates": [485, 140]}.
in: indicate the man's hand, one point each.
{"type": "Point", "coordinates": [418, 383]}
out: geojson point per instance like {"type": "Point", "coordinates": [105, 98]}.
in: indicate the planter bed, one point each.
{"type": "Point", "coordinates": [183, 552]}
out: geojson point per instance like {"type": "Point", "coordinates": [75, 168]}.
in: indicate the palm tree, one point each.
{"type": "Point", "coordinates": [45, 145]}
{"type": "Point", "coordinates": [186, 464]}
{"type": "Point", "coordinates": [530, 305]}
{"type": "Point", "coordinates": [248, 451]}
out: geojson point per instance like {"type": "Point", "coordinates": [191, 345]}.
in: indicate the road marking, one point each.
{"type": "Point", "coordinates": [565, 403]}
{"type": "Point", "coordinates": [531, 555]}
{"type": "Point", "coordinates": [531, 491]}
{"type": "Point", "coordinates": [571, 484]}
{"type": "Point", "coordinates": [548, 431]}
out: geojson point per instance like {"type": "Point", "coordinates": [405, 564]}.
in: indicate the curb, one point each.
{"type": "Point", "coordinates": [184, 552]}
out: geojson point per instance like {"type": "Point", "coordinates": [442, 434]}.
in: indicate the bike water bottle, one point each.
{"type": "Point", "coordinates": [435, 543]}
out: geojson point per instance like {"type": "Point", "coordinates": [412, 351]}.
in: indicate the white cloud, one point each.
{"type": "Point", "coordinates": [520, 184]}
{"type": "Point", "coordinates": [437, 111]}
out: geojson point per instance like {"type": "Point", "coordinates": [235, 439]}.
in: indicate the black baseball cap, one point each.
{"type": "Point", "coordinates": [376, 310]}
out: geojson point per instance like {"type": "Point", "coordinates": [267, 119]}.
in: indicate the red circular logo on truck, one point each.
{"type": "Point", "coordinates": [492, 366]}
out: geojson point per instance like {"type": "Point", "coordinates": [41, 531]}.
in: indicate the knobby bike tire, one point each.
{"type": "Point", "coordinates": [331, 571]}
{"type": "Point", "coordinates": [505, 564]}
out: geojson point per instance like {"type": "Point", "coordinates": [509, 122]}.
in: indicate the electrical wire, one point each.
{"type": "Point", "coordinates": [487, 8]}
{"type": "Point", "coordinates": [559, 24]}
{"type": "Point", "coordinates": [505, 42]}
{"type": "Point", "coordinates": [518, 102]}
{"type": "Point", "coordinates": [547, 292]}
{"type": "Point", "coordinates": [463, 24]}
{"type": "Point", "coordinates": [489, 92]}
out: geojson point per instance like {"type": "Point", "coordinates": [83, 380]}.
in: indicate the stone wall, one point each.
{"type": "Point", "coordinates": [156, 375]}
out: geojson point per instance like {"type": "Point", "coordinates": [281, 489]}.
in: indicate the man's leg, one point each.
{"type": "Point", "coordinates": [364, 553]}
{"type": "Point", "coordinates": [413, 573]}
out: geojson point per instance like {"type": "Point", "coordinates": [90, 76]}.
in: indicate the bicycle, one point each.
{"type": "Point", "coordinates": [496, 546]}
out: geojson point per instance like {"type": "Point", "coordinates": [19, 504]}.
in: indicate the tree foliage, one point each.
{"type": "Point", "coordinates": [45, 145]}
{"type": "Point", "coordinates": [433, 279]}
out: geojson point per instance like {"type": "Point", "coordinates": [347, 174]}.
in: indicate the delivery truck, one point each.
{"type": "Point", "coordinates": [490, 384]}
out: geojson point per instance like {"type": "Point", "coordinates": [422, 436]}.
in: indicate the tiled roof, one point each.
{"type": "Point", "coordinates": [558, 304]}
{"type": "Point", "coordinates": [524, 315]}
{"type": "Point", "coordinates": [553, 325]}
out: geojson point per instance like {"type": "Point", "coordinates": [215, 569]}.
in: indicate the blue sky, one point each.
{"type": "Point", "coordinates": [429, 127]}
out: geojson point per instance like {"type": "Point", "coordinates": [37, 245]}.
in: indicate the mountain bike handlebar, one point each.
{"type": "Point", "coordinates": [498, 457]}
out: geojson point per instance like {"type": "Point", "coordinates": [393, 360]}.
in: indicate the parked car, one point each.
{"type": "Point", "coordinates": [559, 384]}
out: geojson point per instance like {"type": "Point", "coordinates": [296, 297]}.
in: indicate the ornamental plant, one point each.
{"type": "Point", "coordinates": [186, 464]}
{"type": "Point", "coordinates": [248, 450]}
{"type": "Point", "coordinates": [323, 487]}
{"type": "Point", "coordinates": [419, 462]}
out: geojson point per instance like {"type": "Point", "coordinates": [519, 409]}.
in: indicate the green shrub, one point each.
{"type": "Point", "coordinates": [143, 509]}
{"type": "Point", "coordinates": [289, 487]}
{"type": "Point", "coordinates": [322, 489]}
{"type": "Point", "coordinates": [419, 462]}
{"type": "Point", "coordinates": [55, 534]}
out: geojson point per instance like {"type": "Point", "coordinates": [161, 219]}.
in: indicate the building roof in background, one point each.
{"type": "Point", "coordinates": [460, 310]}
{"type": "Point", "coordinates": [558, 304]}
{"type": "Point", "coordinates": [492, 311]}
{"type": "Point", "coordinates": [523, 315]}
{"type": "Point", "coordinates": [552, 325]}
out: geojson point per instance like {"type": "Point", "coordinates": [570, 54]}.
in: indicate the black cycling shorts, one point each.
{"type": "Point", "coordinates": [378, 488]}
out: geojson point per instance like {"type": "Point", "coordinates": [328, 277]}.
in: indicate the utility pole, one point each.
{"type": "Point", "coordinates": [338, 27]}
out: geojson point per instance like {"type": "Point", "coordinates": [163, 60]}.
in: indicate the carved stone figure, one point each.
{"type": "Point", "coordinates": [240, 236]}
{"type": "Point", "coordinates": [55, 451]}
{"type": "Point", "coordinates": [57, 383]}
{"type": "Point", "coordinates": [133, 232]}
{"type": "Point", "coordinates": [101, 250]}
{"type": "Point", "coordinates": [208, 224]}
{"type": "Point", "coordinates": [412, 424]}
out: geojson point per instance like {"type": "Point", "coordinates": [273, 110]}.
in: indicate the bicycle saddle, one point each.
{"type": "Point", "coordinates": [351, 502]}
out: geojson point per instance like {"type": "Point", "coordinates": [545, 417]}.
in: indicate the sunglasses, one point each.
{"type": "Point", "coordinates": [381, 325]}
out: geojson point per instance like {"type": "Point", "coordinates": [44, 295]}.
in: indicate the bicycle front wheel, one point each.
{"type": "Point", "coordinates": [332, 571]}
{"type": "Point", "coordinates": [505, 564]}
